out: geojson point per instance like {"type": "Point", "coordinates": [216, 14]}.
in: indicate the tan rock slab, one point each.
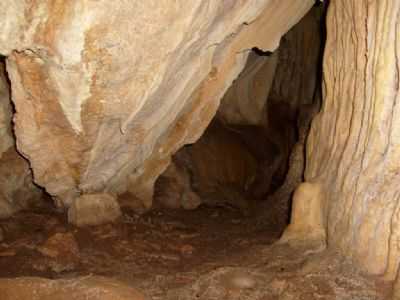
{"type": "Point", "coordinates": [94, 209]}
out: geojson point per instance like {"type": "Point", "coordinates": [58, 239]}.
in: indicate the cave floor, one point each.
{"type": "Point", "coordinates": [203, 254]}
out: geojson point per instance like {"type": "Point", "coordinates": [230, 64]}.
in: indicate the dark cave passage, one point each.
{"type": "Point", "coordinates": [251, 157]}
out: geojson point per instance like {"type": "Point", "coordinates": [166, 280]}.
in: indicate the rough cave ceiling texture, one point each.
{"type": "Point", "coordinates": [354, 146]}
{"type": "Point", "coordinates": [105, 91]}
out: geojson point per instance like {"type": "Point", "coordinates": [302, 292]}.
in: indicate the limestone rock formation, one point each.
{"type": "Point", "coordinates": [105, 92]}
{"type": "Point", "coordinates": [17, 190]}
{"type": "Point", "coordinates": [306, 222]}
{"type": "Point", "coordinates": [94, 209]}
{"type": "Point", "coordinates": [353, 149]}
{"type": "Point", "coordinates": [174, 190]}
{"type": "Point", "coordinates": [83, 288]}
{"type": "Point", "coordinates": [268, 126]}
{"type": "Point", "coordinates": [245, 101]}
{"type": "Point", "coordinates": [396, 289]}
{"type": "Point", "coordinates": [277, 206]}
{"type": "Point", "coordinates": [298, 66]}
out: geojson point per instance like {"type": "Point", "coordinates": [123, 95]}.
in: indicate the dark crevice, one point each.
{"type": "Point", "coordinates": [261, 52]}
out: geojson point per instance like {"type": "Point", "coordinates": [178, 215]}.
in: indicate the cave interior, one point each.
{"type": "Point", "coordinates": [239, 210]}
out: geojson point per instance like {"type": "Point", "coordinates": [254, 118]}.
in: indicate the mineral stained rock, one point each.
{"type": "Point", "coordinates": [17, 190]}
{"type": "Point", "coordinates": [106, 91]}
{"type": "Point", "coordinates": [354, 146]}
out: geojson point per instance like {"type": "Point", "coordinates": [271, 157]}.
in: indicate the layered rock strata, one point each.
{"type": "Point", "coordinates": [353, 150]}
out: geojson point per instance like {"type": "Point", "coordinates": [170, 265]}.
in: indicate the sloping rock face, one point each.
{"type": "Point", "coordinates": [105, 92]}
{"type": "Point", "coordinates": [17, 190]}
{"type": "Point", "coordinates": [245, 101]}
{"type": "Point", "coordinates": [354, 144]}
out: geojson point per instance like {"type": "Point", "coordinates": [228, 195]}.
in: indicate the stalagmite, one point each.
{"type": "Point", "coordinates": [306, 224]}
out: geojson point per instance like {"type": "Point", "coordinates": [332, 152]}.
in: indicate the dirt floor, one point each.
{"type": "Point", "coordinates": [206, 254]}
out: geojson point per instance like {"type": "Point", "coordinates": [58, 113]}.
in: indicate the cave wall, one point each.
{"type": "Point", "coordinates": [298, 71]}
{"type": "Point", "coordinates": [244, 103]}
{"type": "Point", "coordinates": [296, 88]}
{"type": "Point", "coordinates": [353, 149]}
{"type": "Point", "coordinates": [6, 138]}
{"type": "Point", "coordinates": [104, 92]}
{"type": "Point", "coordinates": [17, 190]}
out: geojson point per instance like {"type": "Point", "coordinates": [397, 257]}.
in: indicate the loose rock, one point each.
{"type": "Point", "coordinates": [94, 209]}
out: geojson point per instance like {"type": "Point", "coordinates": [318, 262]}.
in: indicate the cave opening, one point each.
{"type": "Point", "coordinates": [251, 157]}
{"type": "Point", "coordinates": [227, 191]}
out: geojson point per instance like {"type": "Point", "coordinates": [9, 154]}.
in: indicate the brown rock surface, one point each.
{"type": "Point", "coordinates": [5, 112]}
{"type": "Point", "coordinates": [298, 67]}
{"type": "Point", "coordinates": [353, 148]}
{"type": "Point", "coordinates": [102, 102]}
{"type": "Point", "coordinates": [229, 166]}
{"type": "Point", "coordinates": [174, 190]}
{"type": "Point", "coordinates": [61, 251]}
{"type": "Point", "coordinates": [17, 190]}
{"type": "Point", "coordinates": [94, 209]}
{"type": "Point", "coordinates": [219, 168]}
{"type": "Point", "coordinates": [84, 288]}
